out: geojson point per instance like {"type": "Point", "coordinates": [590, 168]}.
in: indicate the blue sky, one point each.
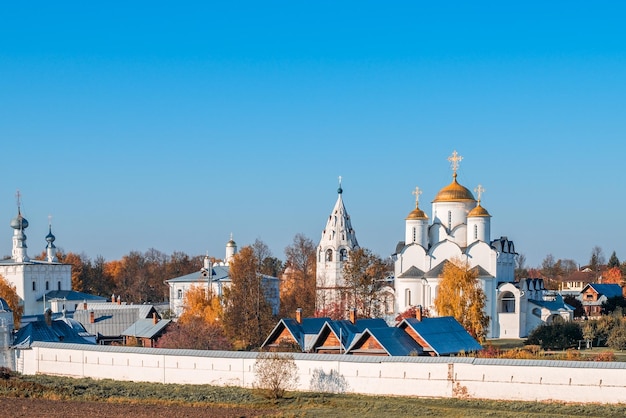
{"type": "Point", "coordinates": [166, 125]}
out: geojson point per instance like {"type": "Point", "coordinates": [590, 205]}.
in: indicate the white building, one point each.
{"type": "Point", "coordinates": [460, 229]}
{"type": "Point", "coordinates": [33, 279]}
{"type": "Point", "coordinates": [337, 241]}
{"type": "Point", "coordinates": [217, 277]}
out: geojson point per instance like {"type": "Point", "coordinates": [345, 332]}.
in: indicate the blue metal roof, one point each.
{"type": "Point", "coordinates": [443, 334]}
{"type": "Point", "coordinates": [58, 331]}
{"type": "Point", "coordinates": [4, 306]}
{"type": "Point", "coordinates": [553, 305]}
{"type": "Point", "coordinates": [395, 341]}
{"type": "Point", "coordinates": [71, 295]}
{"type": "Point", "coordinates": [609, 290]}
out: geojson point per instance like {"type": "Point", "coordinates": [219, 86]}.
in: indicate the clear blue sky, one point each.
{"type": "Point", "coordinates": [169, 125]}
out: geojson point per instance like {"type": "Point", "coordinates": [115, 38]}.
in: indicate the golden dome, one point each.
{"type": "Point", "coordinates": [454, 192]}
{"type": "Point", "coordinates": [478, 211]}
{"type": "Point", "coordinates": [416, 213]}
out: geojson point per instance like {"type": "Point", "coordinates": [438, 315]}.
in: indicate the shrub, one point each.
{"type": "Point", "coordinates": [275, 374]}
{"type": "Point", "coordinates": [556, 336]}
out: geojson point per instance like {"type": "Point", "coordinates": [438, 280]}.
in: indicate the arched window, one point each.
{"type": "Point", "coordinates": [179, 295]}
{"type": "Point", "coordinates": [449, 219]}
{"type": "Point", "coordinates": [507, 303]}
{"type": "Point", "coordinates": [47, 285]}
{"type": "Point", "coordinates": [475, 231]}
{"type": "Point", "coordinates": [414, 235]}
{"type": "Point", "coordinates": [59, 285]}
{"type": "Point", "coordinates": [329, 255]}
{"type": "Point", "coordinates": [343, 254]}
{"type": "Point", "coordinates": [34, 286]}
{"type": "Point", "coordinates": [407, 297]}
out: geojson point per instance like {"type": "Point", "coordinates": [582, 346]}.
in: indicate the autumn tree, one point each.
{"type": "Point", "coordinates": [552, 272]}
{"type": "Point", "coordinates": [8, 292]}
{"type": "Point", "coordinates": [247, 313]}
{"type": "Point", "coordinates": [194, 334]}
{"type": "Point", "coordinates": [201, 303]}
{"type": "Point", "coordinates": [612, 275]}
{"type": "Point", "coordinates": [461, 296]}
{"type": "Point", "coordinates": [275, 374]}
{"type": "Point", "coordinates": [364, 275]}
{"type": "Point", "coordinates": [298, 284]}
{"type": "Point", "coordinates": [77, 261]}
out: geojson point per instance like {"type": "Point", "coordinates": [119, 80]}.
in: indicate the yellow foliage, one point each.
{"type": "Point", "coordinates": [612, 275]}
{"type": "Point", "coordinates": [461, 297]}
{"type": "Point", "coordinates": [200, 303]}
{"type": "Point", "coordinates": [9, 294]}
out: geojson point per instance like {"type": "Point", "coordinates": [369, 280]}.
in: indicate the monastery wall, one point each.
{"type": "Point", "coordinates": [529, 380]}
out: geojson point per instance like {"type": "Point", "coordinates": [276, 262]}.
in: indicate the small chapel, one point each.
{"type": "Point", "coordinates": [35, 280]}
{"type": "Point", "coordinates": [459, 229]}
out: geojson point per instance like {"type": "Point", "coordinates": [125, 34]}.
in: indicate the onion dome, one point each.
{"type": "Point", "coordinates": [478, 212]}
{"type": "Point", "coordinates": [231, 243]}
{"type": "Point", "coordinates": [454, 192]}
{"type": "Point", "coordinates": [416, 213]}
{"type": "Point", "coordinates": [50, 237]}
{"type": "Point", "coordinates": [19, 222]}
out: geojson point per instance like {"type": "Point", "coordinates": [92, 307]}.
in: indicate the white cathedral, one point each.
{"type": "Point", "coordinates": [460, 229]}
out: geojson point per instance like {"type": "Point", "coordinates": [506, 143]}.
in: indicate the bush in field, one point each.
{"type": "Point", "coordinates": [556, 336]}
{"type": "Point", "coordinates": [275, 373]}
{"type": "Point", "coordinates": [617, 337]}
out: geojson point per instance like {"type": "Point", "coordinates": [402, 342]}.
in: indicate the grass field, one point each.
{"type": "Point", "coordinates": [244, 402]}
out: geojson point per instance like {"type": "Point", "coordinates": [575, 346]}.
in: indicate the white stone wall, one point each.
{"type": "Point", "coordinates": [531, 380]}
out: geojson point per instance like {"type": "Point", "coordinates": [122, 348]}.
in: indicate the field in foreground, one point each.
{"type": "Point", "coordinates": [27, 396]}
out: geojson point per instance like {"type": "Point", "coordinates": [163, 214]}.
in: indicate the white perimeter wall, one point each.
{"type": "Point", "coordinates": [530, 380]}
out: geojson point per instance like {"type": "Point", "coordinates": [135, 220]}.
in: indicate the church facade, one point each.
{"type": "Point", "coordinates": [459, 229]}
{"type": "Point", "coordinates": [216, 277]}
{"type": "Point", "coordinates": [34, 279]}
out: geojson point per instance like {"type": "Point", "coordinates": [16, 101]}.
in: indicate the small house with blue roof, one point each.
{"type": "Point", "coordinates": [594, 295]}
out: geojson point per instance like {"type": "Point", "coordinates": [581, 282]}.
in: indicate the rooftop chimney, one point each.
{"type": "Point", "coordinates": [113, 298]}
{"type": "Point", "coordinates": [85, 305]}
{"type": "Point", "coordinates": [418, 313]}
{"type": "Point", "coordinates": [119, 300]}
{"type": "Point", "coordinates": [92, 317]}
{"type": "Point", "coordinates": [353, 315]}
{"type": "Point", "coordinates": [299, 315]}
{"type": "Point", "coordinates": [155, 318]}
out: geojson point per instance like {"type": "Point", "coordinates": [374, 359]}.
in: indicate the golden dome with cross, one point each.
{"type": "Point", "coordinates": [454, 192]}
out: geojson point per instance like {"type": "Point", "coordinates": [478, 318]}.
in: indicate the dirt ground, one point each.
{"type": "Point", "coordinates": [20, 407]}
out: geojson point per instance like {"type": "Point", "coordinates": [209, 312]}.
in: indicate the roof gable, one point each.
{"type": "Point", "coordinates": [412, 272]}
{"type": "Point", "coordinates": [445, 335]}
{"type": "Point", "coordinates": [393, 341]}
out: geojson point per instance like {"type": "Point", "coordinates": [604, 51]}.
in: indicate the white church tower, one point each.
{"type": "Point", "coordinates": [231, 250]}
{"type": "Point", "coordinates": [338, 240]}
{"type": "Point", "coordinates": [34, 279]}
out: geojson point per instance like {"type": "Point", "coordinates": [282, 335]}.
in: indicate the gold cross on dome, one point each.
{"type": "Point", "coordinates": [18, 195]}
{"type": "Point", "coordinates": [455, 159]}
{"type": "Point", "coordinates": [417, 192]}
{"type": "Point", "coordinates": [479, 191]}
